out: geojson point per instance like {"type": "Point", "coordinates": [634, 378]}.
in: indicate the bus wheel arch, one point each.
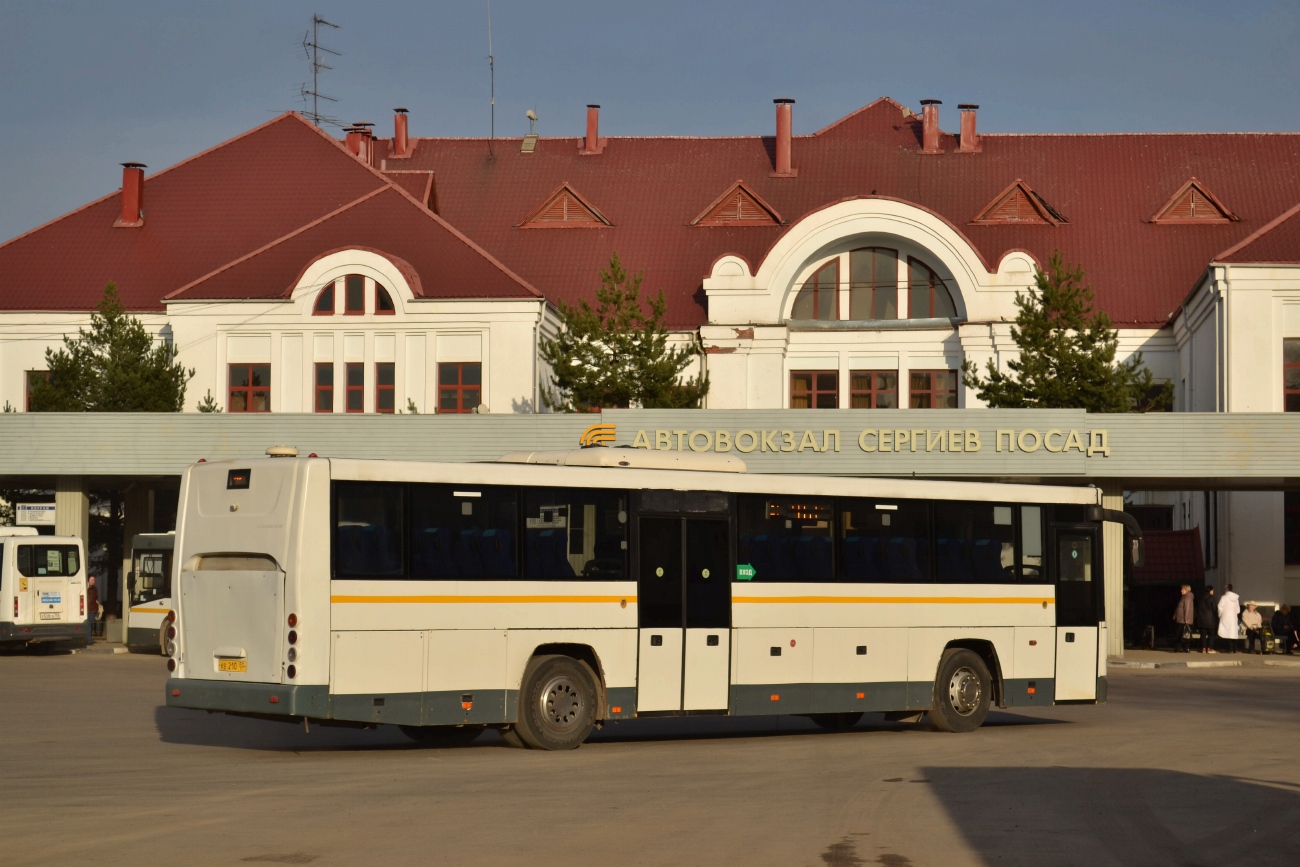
{"type": "Point", "coordinates": [985, 650]}
{"type": "Point", "coordinates": [583, 653]}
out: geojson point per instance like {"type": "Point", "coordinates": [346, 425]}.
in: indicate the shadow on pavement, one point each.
{"type": "Point", "coordinates": [1128, 816]}
{"type": "Point", "coordinates": [200, 728]}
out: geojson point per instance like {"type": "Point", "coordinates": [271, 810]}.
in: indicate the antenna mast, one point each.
{"type": "Point", "coordinates": [313, 49]}
{"type": "Point", "coordinates": [492, 84]}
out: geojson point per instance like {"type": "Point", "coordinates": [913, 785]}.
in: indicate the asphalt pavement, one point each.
{"type": "Point", "coordinates": [1182, 767]}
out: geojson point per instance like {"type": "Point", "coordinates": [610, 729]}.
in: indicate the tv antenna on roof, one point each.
{"type": "Point", "coordinates": [313, 49]}
{"type": "Point", "coordinates": [492, 84]}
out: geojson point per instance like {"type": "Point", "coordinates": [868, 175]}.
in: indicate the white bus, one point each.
{"type": "Point", "coordinates": [548, 592]}
{"type": "Point", "coordinates": [149, 585]}
{"type": "Point", "coordinates": [42, 589]}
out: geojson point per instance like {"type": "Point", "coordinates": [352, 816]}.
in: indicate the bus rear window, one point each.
{"type": "Point", "coordinates": [37, 560]}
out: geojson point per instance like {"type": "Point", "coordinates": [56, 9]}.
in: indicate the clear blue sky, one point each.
{"type": "Point", "coordinates": [87, 85]}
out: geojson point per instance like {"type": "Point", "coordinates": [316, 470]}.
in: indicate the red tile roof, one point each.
{"type": "Point", "coordinates": [1172, 557]}
{"type": "Point", "coordinates": [199, 215]}
{"type": "Point", "coordinates": [230, 213]}
{"type": "Point", "coordinates": [1106, 186]}
{"type": "Point", "coordinates": [1277, 243]}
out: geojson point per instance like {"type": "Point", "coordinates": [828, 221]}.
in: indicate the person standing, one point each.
{"type": "Point", "coordinates": [1283, 628]}
{"type": "Point", "coordinates": [1184, 616]}
{"type": "Point", "coordinates": [92, 609]}
{"type": "Point", "coordinates": [1207, 620]}
{"type": "Point", "coordinates": [1253, 622]}
{"type": "Point", "coordinates": [1229, 618]}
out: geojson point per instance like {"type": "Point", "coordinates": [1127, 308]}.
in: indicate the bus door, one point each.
{"type": "Point", "coordinates": [684, 613]}
{"type": "Point", "coordinates": [1078, 601]}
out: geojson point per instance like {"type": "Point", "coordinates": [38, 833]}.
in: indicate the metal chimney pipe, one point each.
{"type": "Point", "coordinates": [132, 195]}
{"type": "Point", "coordinates": [784, 131]}
{"type": "Point", "coordinates": [930, 126]}
{"type": "Point", "coordinates": [970, 140]}
{"type": "Point", "coordinates": [400, 148]}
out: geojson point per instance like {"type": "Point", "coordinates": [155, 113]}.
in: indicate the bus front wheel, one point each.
{"type": "Point", "coordinates": [961, 692]}
{"type": "Point", "coordinates": [557, 704]}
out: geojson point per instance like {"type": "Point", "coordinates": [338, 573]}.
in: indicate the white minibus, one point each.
{"type": "Point", "coordinates": [545, 593]}
{"type": "Point", "coordinates": [42, 588]}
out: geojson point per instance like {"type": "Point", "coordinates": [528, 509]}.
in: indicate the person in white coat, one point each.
{"type": "Point", "coordinates": [1229, 618]}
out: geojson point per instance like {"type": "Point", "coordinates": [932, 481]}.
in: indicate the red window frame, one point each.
{"type": "Point", "coordinates": [825, 279]}
{"type": "Point", "coordinates": [866, 280]}
{"type": "Point", "coordinates": [1291, 374]}
{"type": "Point", "coordinates": [244, 396]}
{"type": "Point", "coordinates": [820, 390]}
{"type": "Point", "coordinates": [385, 386]}
{"type": "Point", "coordinates": [930, 284]}
{"type": "Point", "coordinates": [324, 386]}
{"type": "Point", "coordinates": [324, 305]}
{"type": "Point", "coordinates": [873, 389]}
{"type": "Point", "coordinates": [384, 302]}
{"type": "Point", "coordinates": [460, 386]}
{"type": "Point", "coordinates": [925, 392]}
{"type": "Point", "coordinates": [354, 295]}
{"type": "Point", "coordinates": [354, 373]}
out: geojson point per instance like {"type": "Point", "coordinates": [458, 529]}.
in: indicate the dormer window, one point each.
{"type": "Point", "coordinates": [324, 302]}
{"type": "Point", "coordinates": [354, 295]}
{"type": "Point", "coordinates": [383, 302]}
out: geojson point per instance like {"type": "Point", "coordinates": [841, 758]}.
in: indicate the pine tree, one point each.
{"type": "Point", "coordinates": [114, 366]}
{"type": "Point", "coordinates": [208, 403]}
{"type": "Point", "coordinates": [1067, 354]}
{"type": "Point", "coordinates": [617, 355]}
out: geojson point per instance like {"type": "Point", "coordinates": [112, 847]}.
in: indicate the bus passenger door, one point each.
{"type": "Point", "coordinates": [684, 611]}
{"type": "Point", "coordinates": [1078, 591]}
{"type": "Point", "coordinates": [707, 666]}
{"type": "Point", "coordinates": [659, 615]}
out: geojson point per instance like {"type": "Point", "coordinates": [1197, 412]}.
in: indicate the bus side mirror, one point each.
{"type": "Point", "coordinates": [130, 581]}
{"type": "Point", "coordinates": [1137, 551]}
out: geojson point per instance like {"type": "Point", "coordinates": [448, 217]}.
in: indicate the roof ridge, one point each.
{"type": "Point", "coordinates": [1258, 233]}
{"type": "Point", "coordinates": [271, 244]}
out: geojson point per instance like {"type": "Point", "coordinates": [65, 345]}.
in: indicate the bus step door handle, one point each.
{"type": "Point", "coordinates": [1069, 638]}
{"type": "Point", "coordinates": [656, 641]}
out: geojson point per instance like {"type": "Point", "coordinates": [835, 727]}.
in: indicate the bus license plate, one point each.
{"type": "Point", "coordinates": [240, 665]}
{"type": "Point", "coordinates": [50, 615]}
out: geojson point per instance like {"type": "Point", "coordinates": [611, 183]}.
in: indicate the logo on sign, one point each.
{"type": "Point", "coordinates": [597, 435]}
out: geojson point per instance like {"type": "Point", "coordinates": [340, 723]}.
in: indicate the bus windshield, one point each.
{"type": "Point", "coordinates": [152, 576]}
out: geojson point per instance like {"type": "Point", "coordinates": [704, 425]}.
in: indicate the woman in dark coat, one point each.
{"type": "Point", "coordinates": [1207, 620]}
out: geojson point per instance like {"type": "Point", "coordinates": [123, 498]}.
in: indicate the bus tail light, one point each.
{"type": "Point", "coordinates": [171, 631]}
{"type": "Point", "coordinates": [83, 605]}
{"type": "Point", "coordinates": [171, 665]}
{"type": "Point", "coordinates": [293, 637]}
{"type": "Point", "coordinates": [293, 620]}
{"type": "Point", "coordinates": [292, 671]}
{"type": "Point", "coordinates": [15, 607]}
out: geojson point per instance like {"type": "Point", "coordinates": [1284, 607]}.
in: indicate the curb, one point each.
{"type": "Point", "coordinates": [1198, 664]}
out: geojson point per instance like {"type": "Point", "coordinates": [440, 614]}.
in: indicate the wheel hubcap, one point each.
{"type": "Point", "coordinates": [964, 691]}
{"type": "Point", "coordinates": [561, 704]}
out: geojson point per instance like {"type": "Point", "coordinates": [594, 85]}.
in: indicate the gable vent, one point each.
{"type": "Point", "coordinates": [1018, 205]}
{"type": "Point", "coordinates": [563, 208]}
{"type": "Point", "coordinates": [738, 206]}
{"type": "Point", "coordinates": [1193, 204]}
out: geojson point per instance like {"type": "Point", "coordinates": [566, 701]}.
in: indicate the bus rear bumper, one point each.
{"type": "Point", "coordinates": [263, 698]}
{"type": "Point", "coordinates": [35, 634]}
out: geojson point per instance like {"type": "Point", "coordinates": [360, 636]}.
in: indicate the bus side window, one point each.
{"type": "Point", "coordinates": [463, 531]}
{"type": "Point", "coordinates": [1031, 545]}
{"type": "Point", "coordinates": [787, 538]}
{"type": "Point", "coordinates": [25, 560]}
{"type": "Point", "coordinates": [974, 543]}
{"type": "Point", "coordinates": [575, 533]}
{"type": "Point", "coordinates": [885, 541]}
{"type": "Point", "coordinates": [368, 530]}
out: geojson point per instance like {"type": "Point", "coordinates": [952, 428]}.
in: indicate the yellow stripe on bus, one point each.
{"type": "Point", "coordinates": [150, 610]}
{"type": "Point", "coordinates": [905, 600]}
{"type": "Point", "coordinates": [479, 599]}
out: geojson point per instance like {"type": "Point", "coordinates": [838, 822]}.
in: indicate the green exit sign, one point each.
{"type": "Point", "coordinates": [745, 572]}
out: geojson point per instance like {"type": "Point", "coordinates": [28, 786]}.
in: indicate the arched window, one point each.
{"type": "Point", "coordinates": [354, 295]}
{"type": "Point", "coordinates": [383, 301]}
{"type": "Point", "coordinates": [816, 300]}
{"type": "Point", "coordinates": [927, 295]}
{"type": "Point", "coordinates": [324, 302]}
{"type": "Point", "coordinates": [873, 283]}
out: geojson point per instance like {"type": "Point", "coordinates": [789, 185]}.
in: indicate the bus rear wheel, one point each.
{"type": "Point", "coordinates": [961, 692]}
{"type": "Point", "coordinates": [443, 736]}
{"type": "Point", "coordinates": [557, 704]}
